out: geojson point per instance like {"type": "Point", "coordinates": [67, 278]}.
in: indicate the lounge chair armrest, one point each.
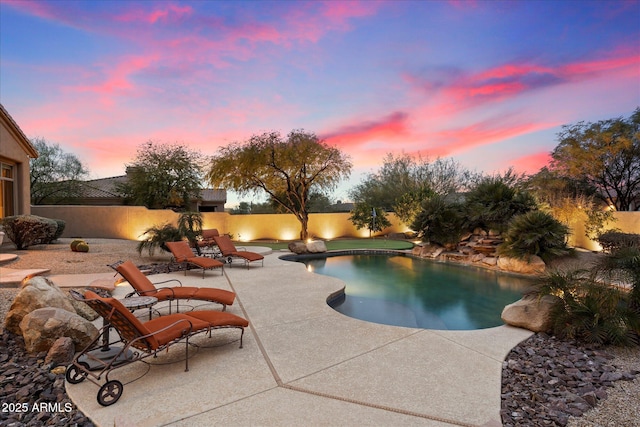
{"type": "Point", "coordinates": [170, 280]}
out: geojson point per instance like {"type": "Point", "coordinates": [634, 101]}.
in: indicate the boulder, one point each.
{"type": "Point", "coordinates": [316, 246]}
{"type": "Point", "coordinates": [37, 292]}
{"type": "Point", "coordinates": [530, 313]}
{"type": "Point", "coordinates": [298, 247]}
{"type": "Point", "coordinates": [61, 352]}
{"type": "Point", "coordinates": [431, 251]}
{"type": "Point", "coordinates": [490, 261]}
{"type": "Point", "coordinates": [42, 327]}
{"type": "Point", "coordinates": [83, 310]}
{"type": "Point", "coordinates": [534, 265]}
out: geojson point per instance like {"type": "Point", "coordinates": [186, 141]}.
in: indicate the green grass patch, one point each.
{"type": "Point", "coordinates": [343, 244]}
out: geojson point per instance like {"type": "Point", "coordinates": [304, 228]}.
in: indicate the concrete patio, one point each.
{"type": "Point", "coordinates": [305, 364]}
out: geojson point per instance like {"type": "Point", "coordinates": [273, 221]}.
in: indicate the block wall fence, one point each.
{"type": "Point", "coordinates": [129, 222]}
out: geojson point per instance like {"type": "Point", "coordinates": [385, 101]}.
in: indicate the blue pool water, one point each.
{"type": "Point", "coordinates": [405, 291]}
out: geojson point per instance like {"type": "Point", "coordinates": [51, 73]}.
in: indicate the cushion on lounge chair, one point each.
{"type": "Point", "coordinates": [144, 286]}
{"type": "Point", "coordinates": [219, 319]}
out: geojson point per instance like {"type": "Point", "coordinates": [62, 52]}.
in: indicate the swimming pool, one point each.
{"type": "Point", "coordinates": [405, 291]}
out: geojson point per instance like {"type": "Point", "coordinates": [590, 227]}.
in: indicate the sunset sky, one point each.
{"type": "Point", "coordinates": [488, 83]}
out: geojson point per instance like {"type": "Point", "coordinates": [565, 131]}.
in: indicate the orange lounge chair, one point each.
{"type": "Point", "coordinates": [229, 251]}
{"type": "Point", "coordinates": [144, 287]}
{"type": "Point", "coordinates": [139, 340]}
{"type": "Point", "coordinates": [183, 253]}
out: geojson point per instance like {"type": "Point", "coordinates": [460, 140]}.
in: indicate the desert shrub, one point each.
{"type": "Point", "coordinates": [157, 236]}
{"type": "Point", "coordinates": [613, 240]}
{"type": "Point", "coordinates": [535, 233]}
{"type": "Point", "coordinates": [29, 230]}
{"type": "Point", "coordinates": [440, 221]}
{"type": "Point", "coordinates": [588, 310]}
{"type": "Point", "coordinates": [494, 201]}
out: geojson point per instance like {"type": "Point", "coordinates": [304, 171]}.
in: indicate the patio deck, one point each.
{"type": "Point", "coordinates": [305, 364]}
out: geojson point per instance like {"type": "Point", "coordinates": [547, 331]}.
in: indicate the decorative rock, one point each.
{"type": "Point", "coordinates": [83, 310]}
{"type": "Point", "coordinates": [42, 327]}
{"type": "Point", "coordinates": [490, 260]}
{"type": "Point", "coordinates": [535, 264]}
{"type": "Point", "coordinates": [298, 247]}
{"type": "Point", "coordinates": [530, 313]}
{"type": "Point", "coordinates": [316, 246]}
{"type": "Point", "coordinates": [38, 292]}
{"type": "Point", "coordinates": [61, 352]}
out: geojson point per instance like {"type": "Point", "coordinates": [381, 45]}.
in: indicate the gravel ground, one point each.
{"type": "Point", "coordinates": [621, 408]}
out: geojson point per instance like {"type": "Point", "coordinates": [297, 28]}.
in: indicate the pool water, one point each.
{"type": "Point", "coordinates": [412, 292]}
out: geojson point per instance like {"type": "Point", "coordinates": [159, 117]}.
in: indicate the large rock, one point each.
{"type": "Point", "coordinates": [298, 247]}
{"type": "Point", "coordinates": [83, 310]}
{"type": "Point", "coordinates": [530, 313]}
{"type": "Point", "coordinates": [61, 352]}
{"type": "Point", "coordinates": [316, 246]}
{"type": "Point", "coordinates": [534, 265]}
{"type": "Point", "coordinates": [42, 327]}
{"type": "Point", "coordinates": [37, 292]}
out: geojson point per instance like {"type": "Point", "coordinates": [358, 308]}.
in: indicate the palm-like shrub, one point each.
{"type": "Point", "coordinates": [440, 221]}
{"type": "Point", "coordinates": [157, 236]}
{"type": "Point", "coordinates": [190, 226]}
{"type": "Point", "coordinates": [493, 202]}
{"type": "Point", "coordinates": [623, 266]}
{"type": "Point", "coordinates": [588, 310]}
{"type": "Point", "coordinates": [535, 233]}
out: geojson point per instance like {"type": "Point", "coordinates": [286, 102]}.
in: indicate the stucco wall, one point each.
{"type": "Point", "coordinates": [129, 222]}
{"type": "Point", "coordinates": [13, 153]}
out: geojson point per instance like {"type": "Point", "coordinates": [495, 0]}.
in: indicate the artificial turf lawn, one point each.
{"type": "Point", "coordinates": [344, 244]}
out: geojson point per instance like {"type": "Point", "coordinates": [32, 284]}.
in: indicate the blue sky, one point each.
{"type": "Point", "coordinates": [488, 83]}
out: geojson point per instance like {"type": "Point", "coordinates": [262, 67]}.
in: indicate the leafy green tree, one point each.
{"type": "Point", "coordinates": [404, 182]}
{"type": "Point", "coordinates": [164, 176]}
{"type": "Point", "coordinates": [495, 200]}
{"type": "Point", "coordinates": [441, 221]}
{"type": "Point", "coordinates": [363, 216]}
{"type": "Point", "coordinates": [604, 156]}
{"type": "Point", "coordinates": [288, 169]}
{"type": "Point", "coordinates": [54, 175]}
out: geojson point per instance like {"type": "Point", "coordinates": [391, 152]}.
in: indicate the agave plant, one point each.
{"type": "Point", "coordinates": [535, 233]}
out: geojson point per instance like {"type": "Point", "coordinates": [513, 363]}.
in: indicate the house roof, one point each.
{"type": "Point", "coordinates": [211, 195]}
{"type": "Point", "coordinates": [18, 133]}
{"type": "Point", "coordinates": [101, 188]}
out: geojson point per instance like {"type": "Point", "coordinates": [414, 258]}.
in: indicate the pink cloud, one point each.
{"type": "Point", "coordinates": [531, 163]}
{"type": "Point", "coordinates": [388, 128]}
{"type": "Point", "coordinates": [169, 13]}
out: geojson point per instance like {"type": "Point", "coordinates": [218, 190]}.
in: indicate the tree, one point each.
{"type": "Point", "coordinates": [288, 170]}
{"type": "Point", "coordinates": [164, 176]}
{"type": "Point", "coordinates": [441, 221]}
{"type": "Point", "coordinates": [404, 182]}
{"type": "Point", "coordinates": [54, 174]}
{"type": "Point", "coordinates": [366, 216]}
{"type": "Point", "coordinates": [605, 156]}
{"type": "Point", "coordinates": [569, 201]}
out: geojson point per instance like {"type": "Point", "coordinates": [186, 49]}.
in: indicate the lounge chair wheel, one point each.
{"type": "Point", "coordinates": [75, 375]}
{"type": "Point", "coordinates": [110, 392]}
{"type": "Point", "coordinates": [229, 260]}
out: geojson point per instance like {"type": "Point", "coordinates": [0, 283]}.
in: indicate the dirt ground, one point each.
{"type": "Point", "coordinates": [59, 258]}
